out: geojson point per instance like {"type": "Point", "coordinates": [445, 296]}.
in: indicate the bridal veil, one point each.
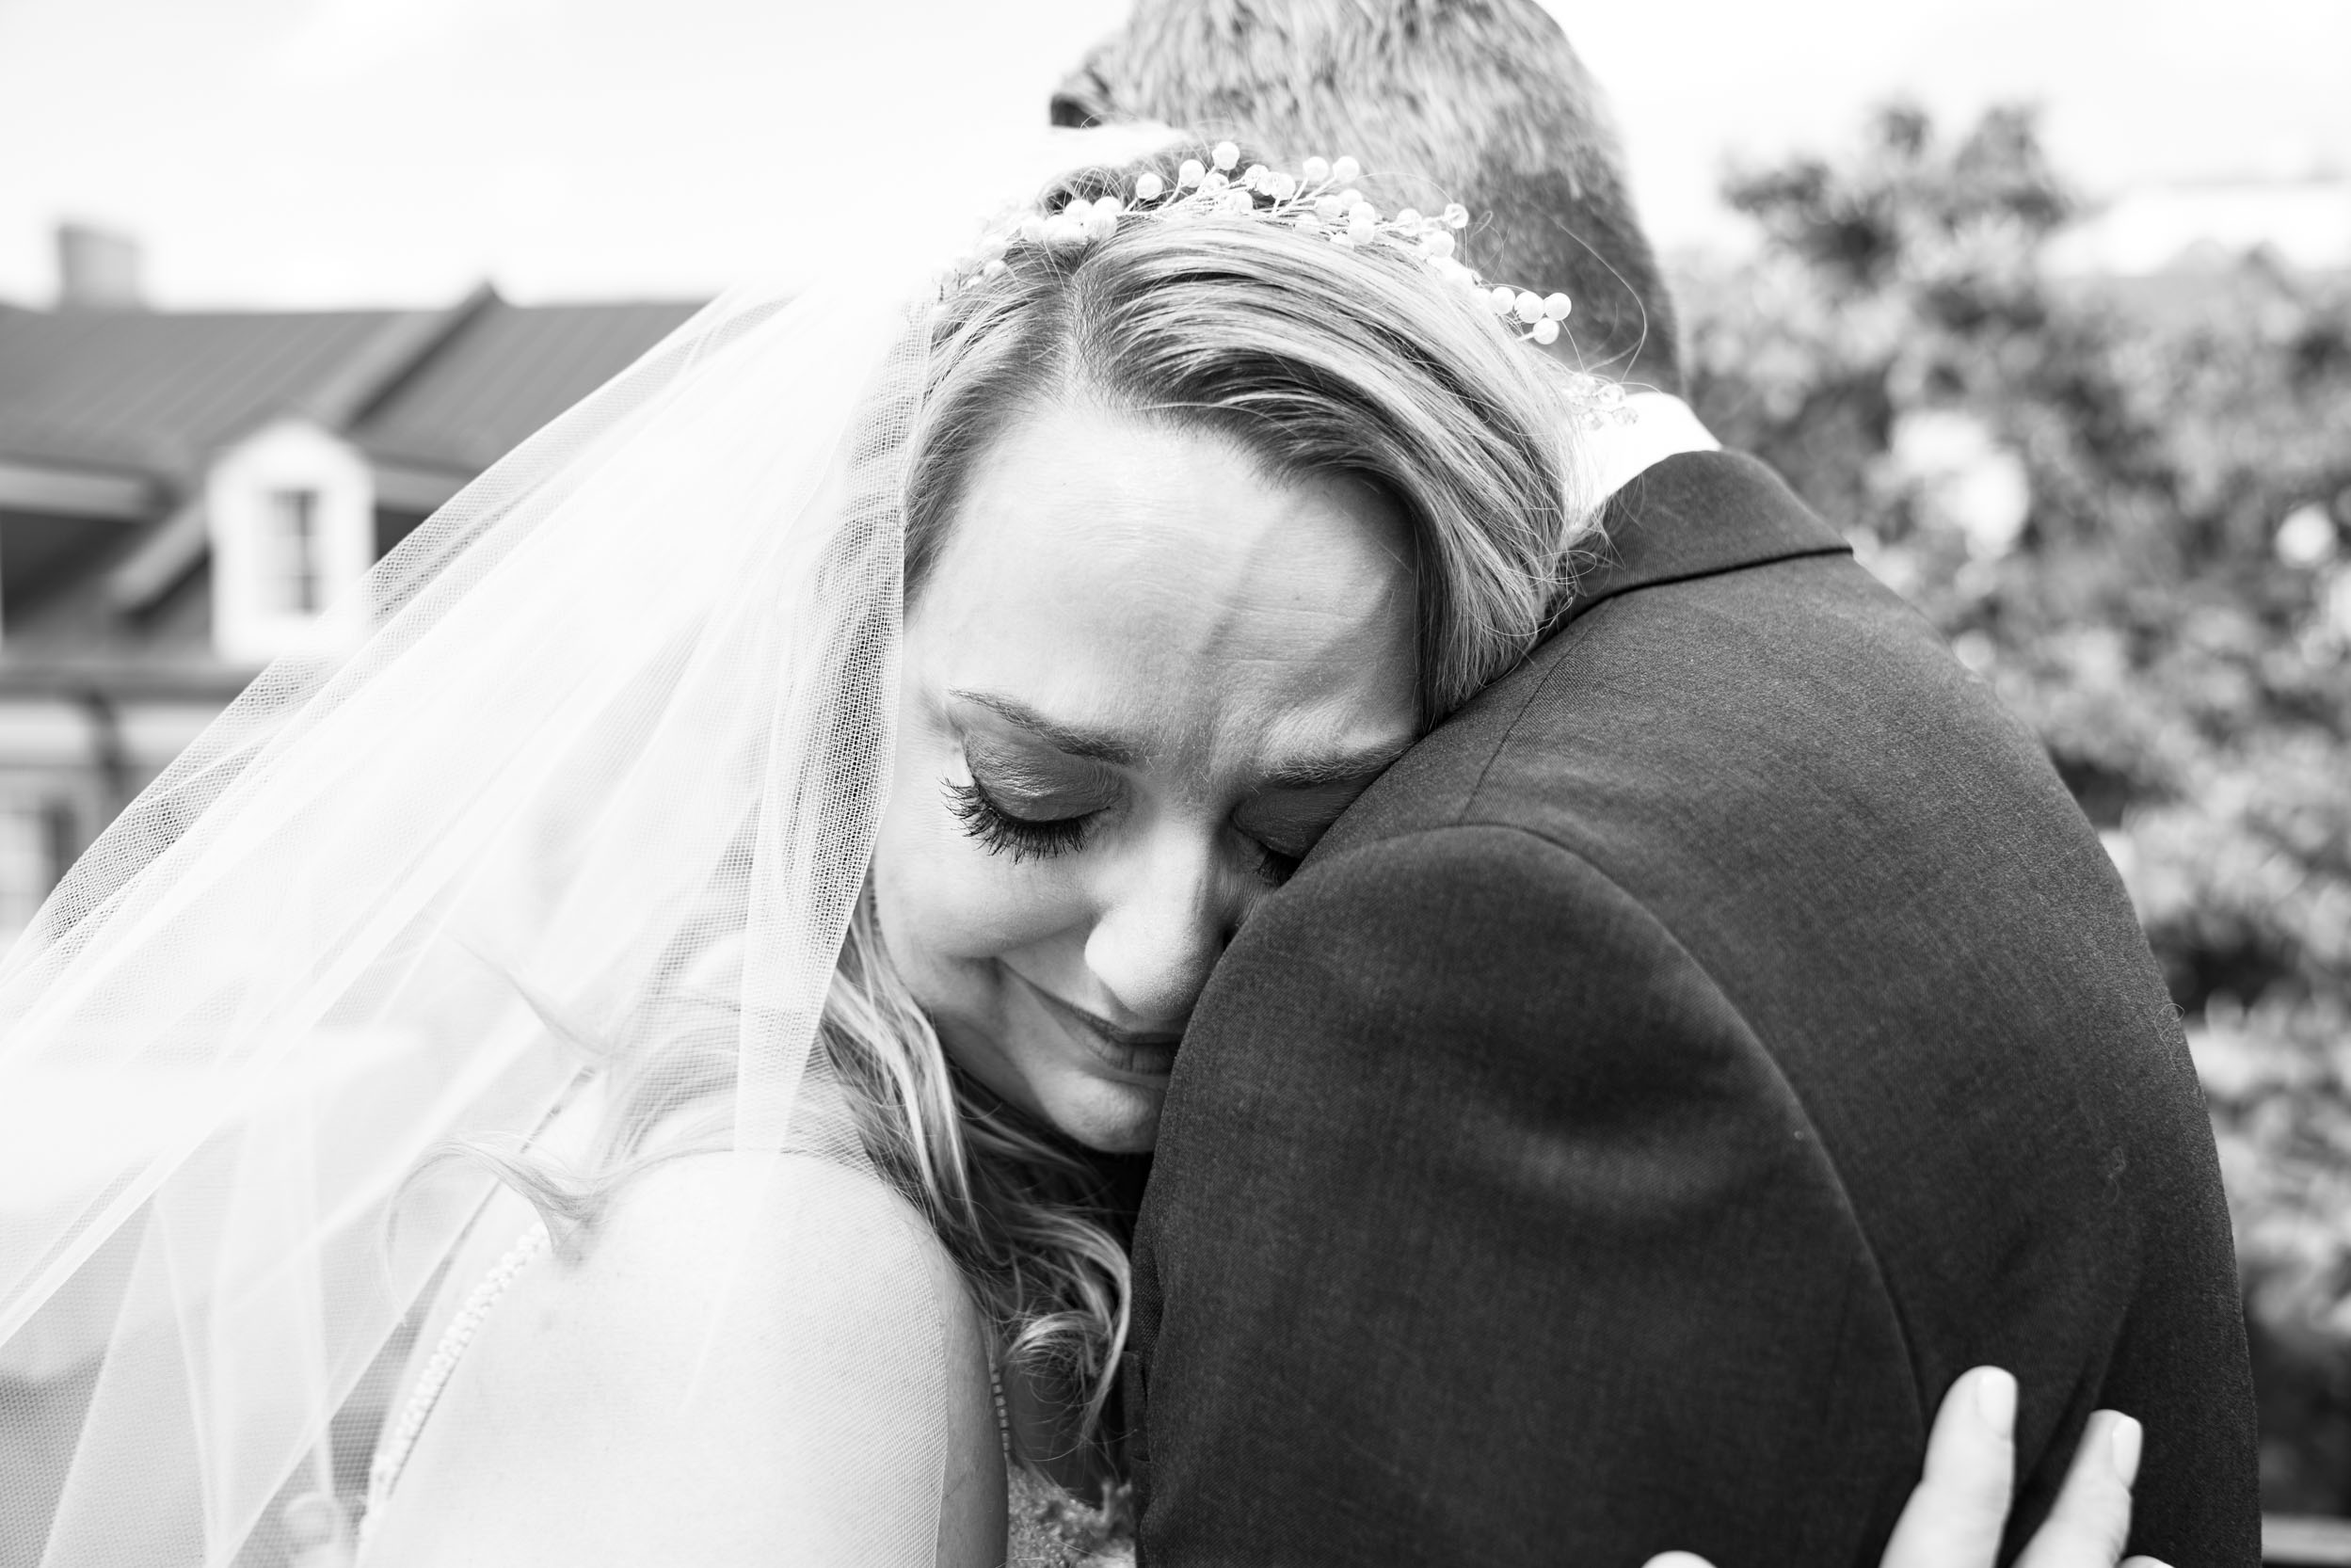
{"type": "Point", "coordinates": [595, 764]}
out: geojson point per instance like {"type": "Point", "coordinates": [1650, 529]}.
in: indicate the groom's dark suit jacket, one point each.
{"type": "Point", "coordinates": [1658, 1088]}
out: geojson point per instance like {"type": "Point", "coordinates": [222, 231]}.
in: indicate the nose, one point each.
{"type": "Point", "coordinates": [1165, 913]}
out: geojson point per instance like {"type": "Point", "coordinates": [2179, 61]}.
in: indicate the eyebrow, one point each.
{"type": "Point", "coordinates": [1338, 767]}
{"type": "Point", "coordinates": [1299, 773]}
{"type": "Point", "coordinates": [1099, 744]}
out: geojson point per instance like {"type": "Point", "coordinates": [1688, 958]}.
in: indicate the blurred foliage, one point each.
{"type": "Point", "coordinates": [2129, 506]}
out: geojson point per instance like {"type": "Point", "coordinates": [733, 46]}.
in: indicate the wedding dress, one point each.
{"type": "Point", "coordinates": [595, 760]}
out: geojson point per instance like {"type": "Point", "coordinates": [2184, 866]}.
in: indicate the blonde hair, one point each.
{"type": "Point", "coordinates": [1312, 359]}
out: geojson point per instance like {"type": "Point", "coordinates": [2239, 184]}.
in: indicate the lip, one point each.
{"type": "Point", "coordinates": [1141, 1052]}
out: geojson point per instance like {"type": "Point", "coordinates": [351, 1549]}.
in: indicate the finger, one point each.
{"type": "Point", "coordinates": [1955, 1513]}
{"type": "Point", "coordinates": [2091, 1519]}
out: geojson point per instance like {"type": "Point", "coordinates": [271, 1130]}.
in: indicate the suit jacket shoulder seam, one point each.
{"type": "Point", "coordinates": [1502, 740]}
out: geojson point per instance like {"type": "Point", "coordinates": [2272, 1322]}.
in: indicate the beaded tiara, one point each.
{"type": "Point", "coordinates": [1320, 198]}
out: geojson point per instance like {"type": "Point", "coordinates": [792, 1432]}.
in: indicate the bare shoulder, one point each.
{"type": "Point", "coordinates": [717, 1242]}
{"type": "Point", "coordinates": [754, 1358]}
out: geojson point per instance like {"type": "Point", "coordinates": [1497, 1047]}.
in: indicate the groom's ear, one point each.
{"type": "Point", "coordinates": [1081, 102]}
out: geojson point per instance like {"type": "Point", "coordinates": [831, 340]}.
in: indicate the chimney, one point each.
{"type": "Point", "coordinates": [97, 269]}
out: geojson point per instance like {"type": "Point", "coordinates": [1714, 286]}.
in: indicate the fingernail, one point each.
{"type": "Point", "coordinates": [1996, 1399]}
{"type": "Point", "coordinates": [2129, 1436]}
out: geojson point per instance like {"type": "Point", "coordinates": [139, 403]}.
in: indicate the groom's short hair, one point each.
{"type": "Point", "coordinates": [1483, 98]}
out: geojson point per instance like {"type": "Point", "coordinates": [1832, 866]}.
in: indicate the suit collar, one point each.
{"type": "Point", "coordinates": [1695, 515]}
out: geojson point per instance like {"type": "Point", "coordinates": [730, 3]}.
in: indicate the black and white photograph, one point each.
{"type": "Point", "coordinates": [1174, 784]}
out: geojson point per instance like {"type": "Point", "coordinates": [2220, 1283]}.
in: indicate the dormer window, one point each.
{"type": "Point", "coordinates": [290, 510]}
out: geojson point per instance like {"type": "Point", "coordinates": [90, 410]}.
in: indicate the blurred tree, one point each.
{"type": "Point", "coordinates": [2129, 508]}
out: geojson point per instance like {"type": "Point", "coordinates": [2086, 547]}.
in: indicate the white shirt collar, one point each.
{"type": "Point", "coordinates": [1662, 426]}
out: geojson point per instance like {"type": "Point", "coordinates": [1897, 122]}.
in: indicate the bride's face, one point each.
{"type": "Point", "coordinates": [1140, 681]}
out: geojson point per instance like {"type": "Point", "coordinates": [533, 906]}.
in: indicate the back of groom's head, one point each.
{"type": "Point", "coordinates": [1484, 98]}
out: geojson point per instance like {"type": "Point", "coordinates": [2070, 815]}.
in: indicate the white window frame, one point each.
{"type": "Point", "coordinates": [246, 508]}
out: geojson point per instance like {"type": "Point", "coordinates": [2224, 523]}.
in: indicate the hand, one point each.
{"type": "Point", "coordinates": [1956, 1512]}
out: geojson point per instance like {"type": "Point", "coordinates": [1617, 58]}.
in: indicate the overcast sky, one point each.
{"type": "Point", "coordinates": [350, 152]}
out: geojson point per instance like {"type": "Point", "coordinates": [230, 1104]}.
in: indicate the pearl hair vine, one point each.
{"type": "Point", "coordinates": [1321, 200]}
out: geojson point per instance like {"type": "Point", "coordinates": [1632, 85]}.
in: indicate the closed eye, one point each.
{"type": "Point", "coordinates": [999, 831]}
{"type": "Point", "coordinates": [1283, 827]}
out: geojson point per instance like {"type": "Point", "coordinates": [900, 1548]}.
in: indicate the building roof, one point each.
{"type": "Point", "coordinates": [155, 393]}
{"type": "Point", "coordinates": [109, 420]}
{"type": "Point", "coordinates": [508, 371]}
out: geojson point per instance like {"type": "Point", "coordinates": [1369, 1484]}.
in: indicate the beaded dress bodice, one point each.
{"type": "Point", "coordinates": [1046, 1527]}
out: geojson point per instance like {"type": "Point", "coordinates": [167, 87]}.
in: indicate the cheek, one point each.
{"type": "Point", "coordinates": [948, 906]}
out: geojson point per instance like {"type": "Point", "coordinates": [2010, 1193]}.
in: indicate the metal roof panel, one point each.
{"type": "Point", "coordinates": [155, 392]}
{"type": "Point", "coordinates": [508, 371]}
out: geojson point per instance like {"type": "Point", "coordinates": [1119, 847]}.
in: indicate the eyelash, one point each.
{"type": "Point", "coordinates": [997, 831]}
{"type": "Point", "coordinates": [1000, 832]}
